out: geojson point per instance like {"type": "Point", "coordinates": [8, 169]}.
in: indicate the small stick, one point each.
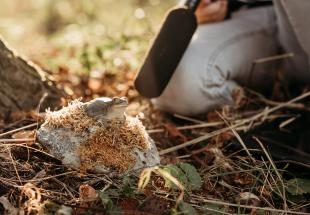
{"type": "Point", "coordinates": [16, 140]}
{"type": "Point", "coordinates": [14, 165]}
{"type": "Point", "coordinates": [267, 59]}
{"type": "Point", "coordinates": [275, 57]}
{"type": "Point", "coordinates": [276, 171]}
{"type": "Point", "coordinates": [251, 207]}
{"type": "Point", "coordinates": [274, 103]}
{"type": "Point", "coordinates": [187, 127]}
{"type": "Point", "coordinates": [19, 129]}
{"type": "Point", "coordinates": [188, 118]}
{"type": "Point", "coordinates": [243, 122]}
{"type": "Point", "coordinates": [238, 138]}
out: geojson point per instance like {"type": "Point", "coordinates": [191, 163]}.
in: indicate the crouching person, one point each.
{"type": "Point", "coordinates": [221, 54]}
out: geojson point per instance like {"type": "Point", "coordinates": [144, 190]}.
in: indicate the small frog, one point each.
{"type": "Point", "coordinates": [106, 109]}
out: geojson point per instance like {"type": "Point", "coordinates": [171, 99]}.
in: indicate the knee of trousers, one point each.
{"type": "Point", "coordinates": [194, 90]}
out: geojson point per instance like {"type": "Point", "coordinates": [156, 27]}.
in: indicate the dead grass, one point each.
{"type": "Point", "coordinates": [71, 117]}
{"type": "Point", "coordinates": [30, 179]}
{"type": "Point", "coordinates": [231, 181]}
{"type": "Point", "coordinates": [112, 145]}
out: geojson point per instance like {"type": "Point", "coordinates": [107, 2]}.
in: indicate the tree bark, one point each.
{"type": "Point", "coordinates": [22, 84]}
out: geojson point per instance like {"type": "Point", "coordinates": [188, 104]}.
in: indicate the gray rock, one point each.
{"type": "Point", "coordinates": [64, 142]}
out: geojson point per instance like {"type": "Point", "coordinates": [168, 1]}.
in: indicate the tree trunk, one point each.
{"type": "Point", "coordinates": [22, 84]}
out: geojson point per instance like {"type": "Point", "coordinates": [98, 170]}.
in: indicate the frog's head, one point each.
{"type": "Point", "coordinates": [119, 102]}
{"type": "Point", "coordinates": [117, 108]}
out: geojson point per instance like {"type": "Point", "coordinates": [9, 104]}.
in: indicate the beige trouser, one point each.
{"type": "Point", "coordinates": [221, 55]}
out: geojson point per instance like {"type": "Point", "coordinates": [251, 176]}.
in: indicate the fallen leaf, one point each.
{"type": "Point", "coordinates": [186, 209]}
{"type": "Point", "coordinates": [298, 186]}
{"type": "Point", "coordinates": [87, 193]}
{"type": "Point", "coordinates": [243, 179]}
{"type": "Point", "coordinates": [174, 132]}
{"type": "Point", "coordinates": [238, 96]}
{"type": "Point", "coordinates": [223, 137]}
{"type": "Point", "coordinates": [194, 179]}
{"type": "Point", "coordinates": [153, 205]}
{"type": "Point", "coordinates": [186, 174]}
{"type": "Point", "coordinates": [8, 207]}
{"type": "Point", "coordinates": [214, 117]}
{"type": "Point", "coordinates": [128, 206]}
{"type": "Point", "coordinates": [247, 198]}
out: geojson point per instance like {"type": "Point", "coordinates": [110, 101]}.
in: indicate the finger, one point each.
{"type": "Point", "coordinates": [213, 8]}
{"type": "Point", "coordinates": [221, 14]}
{"type": "Point", "coordinates": [211, 12]}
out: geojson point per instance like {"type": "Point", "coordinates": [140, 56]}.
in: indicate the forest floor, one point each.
{"type": "Point", "coordinates": [224, 162]}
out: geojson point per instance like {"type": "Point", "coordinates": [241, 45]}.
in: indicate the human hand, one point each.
{"type": "Point", "coordinates": [209, 11]}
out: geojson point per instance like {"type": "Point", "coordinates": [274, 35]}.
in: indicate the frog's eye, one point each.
{"type": "Point", "coordinates": [115, 99]}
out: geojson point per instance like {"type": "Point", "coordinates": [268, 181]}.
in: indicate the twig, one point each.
{"type": "Point", "coordinates": [298, 106]}
{"type": "Point", "coordinates": [187, 127]}
{"type": "Point", "coordinates": [14, 165]}
{"type": "Point", "coordinates": [238, 138]}
{"type": "Point", "coordinates": [251, 207]}
{"type": "Point", "coordinates": [16, 140]}
{"type": "Point", "coordinates": [194, 141]}
{"type": "Point", "coordinates": [275, 57]}
{"type": "Point", "coordinates": [41, 179]}
{"type": "Point", "coordinates": [19, 129]}
{"type": "Point", "coordinates": [287, 122]}
{"type": "Point", "coordinates": [249, 120]}
{"type": "Point", "coordinates": [188, 118]}
{"type": "Point", "coordinates": [265, 60]}
{"type": "Point", "coordinates": [275, 168]}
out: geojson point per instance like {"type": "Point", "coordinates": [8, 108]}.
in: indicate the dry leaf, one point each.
{"type": "Point", "coordinates": [214, 117]}
{"type": "Point", "coordinates": [223, 137]}
{"type": "Point", "coordinates": [128, 206]}
{"type": "Point", "coordinates": [243, 179]}
{"type": "Point", "coordinates": [87, 193]}
{"type": "Point", "coordinates": [238, 96]}
{"type": "Point", "coordinates": [153, 205]}
{"type": "Point", "coordinates": [8, 207]}
{"type": "Point", "coordinates": [174, 132]}
{"type": "Point", "coordinates": [248, 198]}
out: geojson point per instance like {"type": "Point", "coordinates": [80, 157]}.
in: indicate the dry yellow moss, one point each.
{"type": "Point", "coordinates": [72, 117]}
{"type": "Point", "coordinates": [111, 146]}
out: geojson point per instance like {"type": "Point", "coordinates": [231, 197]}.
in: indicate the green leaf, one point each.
{"type": "Point", "coordinates": [298, 186]}
{"type": "Point", "coordinates": [177, 173]}
{"type": "Point", "coordinates": [186, 174]}
{"type": "Point", "coordinates": [186, 209]}
{"type": "Point", "coordinates": [193, 177]}
{"type": "Point", "coordinates": [105, 198]}
{"type": "Point", "coordinates": [128, 186]}
{"type": "Point", "coordinates": [114, 193]}
{"type": "Point", "coordinates": [115, 211]}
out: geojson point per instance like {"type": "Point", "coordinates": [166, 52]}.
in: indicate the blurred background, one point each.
{"type": "Point", "coordinates": [90, 48]}
{"type": "Point", "coordinates": [85, 36]}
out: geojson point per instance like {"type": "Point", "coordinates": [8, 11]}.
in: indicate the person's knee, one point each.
{"type": "Point", "coordinates": [189, 92]}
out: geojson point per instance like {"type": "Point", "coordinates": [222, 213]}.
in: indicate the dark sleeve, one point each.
{"type": "Point", "coordinates": [234, 5]}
